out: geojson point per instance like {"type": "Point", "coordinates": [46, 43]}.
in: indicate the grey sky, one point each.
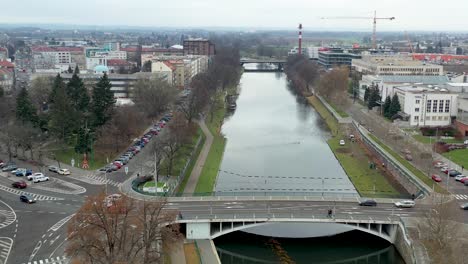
{"type": "Point", "coordinates": [446, 15]}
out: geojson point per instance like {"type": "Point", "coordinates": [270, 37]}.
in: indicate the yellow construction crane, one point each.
{"type": "Point", "coordinates": [375, 18]}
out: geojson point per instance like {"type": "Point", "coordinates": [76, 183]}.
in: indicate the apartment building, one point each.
{"type": "Point", "coordinates": [3, 53]}
{"type": "Point", "coordinates": [394, 65]}
{"type": "Point", "coordinates": [199, 46]}
{"type": "Point", "coordinates": [56, 59]}
{"type": "Point", "coordinates": [181, 68]}
{"type": "Point", "coordinates": [332, 57]}
{"type": "Point", "coordinates": [461, 123]}
{"type": "Point", "coordinates": [101, 58]}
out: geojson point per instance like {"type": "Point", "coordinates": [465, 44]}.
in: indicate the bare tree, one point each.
{"type": "Point", "coordinates": [153, 96]}
{"type": "Point", "coordinates": [442, 235]}
{"type": "Point", "coordinates": [333, 85]}
{"type": "Point", "coordinates": [40, 90]}
{"type": "Point", "coordinates": [111, 230]}
{"type": "Point", "coordinates": [196, 101]}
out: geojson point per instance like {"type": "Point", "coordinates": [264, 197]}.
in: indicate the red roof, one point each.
{"type": "Point", "coordinates": [168, 64]}
{"type": "Point", "coordinates": [6, 64]}
{"type": "Point", "coordinates": [3, 49]}
{"type": "Point", "coordinates": [56, 49]}
{"type": "Point", "coordinates": [117, 62]}
{"type": "Point", "coordinates": [438, 57]}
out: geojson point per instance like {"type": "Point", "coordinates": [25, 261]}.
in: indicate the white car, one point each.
{"type": "Point", "coordinates": [63, 172]}
{"type": "Point", "coordinates": [405, 204]}
{"type": "Point", "coordinates": [459, 177]}
{"type": "Point", "coordinates": [40, 179]}
{"type": "Point", "coordinates": [444, 168]}
{"type": "Point", "coordinates": [342, 142]}
{"type": "Point", "coordinates": [37, 174]}
{"type": "Point", "coordinates": [440, 164]}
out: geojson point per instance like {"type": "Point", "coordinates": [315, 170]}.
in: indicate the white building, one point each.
{"type": "Point", "coordinates": [164, 69]}
{"type": "Point", "coordinates": [394, 65]}
{"type": "Point", "coordinates": [387, 83]}
{"type": "Point", "coordinates": [295, 50]}
{"type": "Point", "coordinates": [101, 57]}
{"type": "Point", "coordinates": [427, 105]}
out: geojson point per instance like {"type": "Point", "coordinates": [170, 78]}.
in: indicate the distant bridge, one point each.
{"type": "Point", "coordinates": [279, 62]}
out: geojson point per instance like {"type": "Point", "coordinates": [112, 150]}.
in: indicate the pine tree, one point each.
{"type": "Point", "coordinates": [386, 107]}
{"type": "Point", "coordinates": [374, 97]}
{"type": "Point", "coordinates": [103, 101]}
{"type": "Point", "coordinates": [77, 70]}
{"type": "Point", "coordinates": [83, 141]}
{"type": "Point", "coordinates": [78, 94]}
{"type": "Point", "coordinates": [25, 110]}
{"type": "Point", "coordinates": [395, 106]}
{"type": "Point", "coordinates": [70, 70]}
{"type": "Point", "coordinates": [63, 117]}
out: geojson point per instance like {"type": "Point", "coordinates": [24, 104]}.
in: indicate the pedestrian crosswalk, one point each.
{"type": "Point", "coordinates": [56, 260]}
{"type": "Point", "coordinates": [38, 197]}
{"type": "Point", "coordinates": [103, 180]}
{"type": "Point", "coordinates": [461, 196]}
{"type": "Point", "coordinates": [5, 248]}
{"type": "Point", "coordinates": [10, 217]}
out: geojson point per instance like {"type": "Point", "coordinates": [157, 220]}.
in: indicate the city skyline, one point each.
{"type": "Point", "coordinates": [244, 14]}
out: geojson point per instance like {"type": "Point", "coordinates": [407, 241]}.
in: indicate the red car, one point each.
{"type": "Point", "coordinates": [436, 178]}
{"type": "Point", "coordinates": [463, 180]}
{"type": "Point", "coordinates": [118, 164]}
{"type": "Point", "coordinates": [19, 184]}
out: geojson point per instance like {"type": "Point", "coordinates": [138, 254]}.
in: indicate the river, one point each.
{"type": "Point", "coordinates": [276, 144]}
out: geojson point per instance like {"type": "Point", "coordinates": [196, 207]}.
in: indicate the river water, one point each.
{"type": "Point", "coordinates": [276, 144]}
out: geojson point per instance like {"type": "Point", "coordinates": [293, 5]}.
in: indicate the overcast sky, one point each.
{"type": "Point", "coordinates": [430, 15]}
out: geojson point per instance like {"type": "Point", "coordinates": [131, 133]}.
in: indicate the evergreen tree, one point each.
{"type": "Point", "coordinates": [386, 107]}
{"type": "Point", "coordinates": [366, 94]}
{"type": "Point", "coordinates": [395, 106]}
{"type": "Point", "coordinates": [103, 101]}
{"type": "Point", "coordinates": [63, 117]}
{"type": "Point", "coordinates": [2, 91]}
{"type": "Point", "coordinates": [70, 70]}
{"type": "Point", "coordinates": [25, 110]}
{"type": "Point", "coordinates": [374, 97]}
{"type": "Point", "coordinates": [83, 142]}
{"type": "Point", "coordinates": [77, 70]}
{"type": "Point", "coordinates": [58, 84]}
{"type": "Point", "coordinates": [78, 94]}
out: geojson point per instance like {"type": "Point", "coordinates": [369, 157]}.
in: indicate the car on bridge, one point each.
{"type": "Point", "coordinates": [368, 202]}
{"type": "Point", "coordinates": [405, 204]}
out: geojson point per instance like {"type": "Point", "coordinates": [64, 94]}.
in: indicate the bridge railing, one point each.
{"type": "Point", "coordinates": [324, 194]}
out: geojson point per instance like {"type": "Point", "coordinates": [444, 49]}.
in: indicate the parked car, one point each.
{"type": "Point", "coordinates": [20, 172]}
{"type": "Point", "coordinates": [342, 142]}
{"type": "Point", "coordinates": [1, 163]}
{"type": "Point", "coordinates": [405, 204]}
{"type": "Point", "coordinates": [464, 206]}
{"type": "Point", "coordinates": [464, 180]}
{"type": "Point", "coordinates": [107, 168]}
{"type": "Point", "coordinates": [9, 167]}
{"type": "Point", "coordinates": [444, 169]}
{"type": "Point", "coordinates": [454, 173]}
{"type": "Point", "coordinates": [436, 178]}
{"type": "Point", "coordinates": [439, 164]}
{"type": "Point", "coordinates": [64, 172]}
{"type": "Point", "coordinates": [145, 140]}
{"type": "Point", "coordinates": [53, 168]}
{"type": "Point", "coordinates": [459, 177]}
{"type": "Point", "coordinates": [19, 184]}
{"type": "Point", "coordinates": [26, 198]}
{"type": "Point", "coordinates": [368, 202]}
{"type": "Point", "coordinates": [37, 174]}
{"type": "Point", "coordinates": [118, 163]}
{"type": "Point", "coordinates": [41, 178]}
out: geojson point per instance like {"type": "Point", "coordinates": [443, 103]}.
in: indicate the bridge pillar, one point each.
{"type": "Point", "coordinates": [199, 230]}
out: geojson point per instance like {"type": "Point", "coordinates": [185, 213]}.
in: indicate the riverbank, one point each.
{"type": "Point", "coordinates": [353, 157]}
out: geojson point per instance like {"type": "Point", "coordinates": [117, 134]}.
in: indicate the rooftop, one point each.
{"type": "Point", "coordinates": [437, 79]}
{"type": "Point", "coordinates": [56, 49]}
{"type": "Point", "coordinates": [421, 88]}
{"type": "Point", "coordinates": [6, 64]}
{"type": "Point", "coordinates": [117, 62]}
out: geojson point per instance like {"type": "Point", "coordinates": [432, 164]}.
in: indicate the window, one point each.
{"type": "Point", "coordinates": [417, 101]}
{"type": "Point", "coordinates": [428, 106]}
{"type": "Point", "coordinates": [434, 106]}
{"type": "Point", "coordinates": [416, 118]}
{"type": "Point", "coordinates": [434, 118]}
{"type": "Point", "coordinates": [441, 106]}
{"type": "Point", "coordinates": [428, 118]}
{"type": "Point", "coordinates": [447, 106]}
{"type": "Point", "coordinates": [440, 118]}
{"type": "Point", "coordinates": [446, 118]}
{"type": "Point", "coordinates": [416, 109]}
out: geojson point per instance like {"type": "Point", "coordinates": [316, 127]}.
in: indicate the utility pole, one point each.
{"type": "Point", "coordinates": [155, 173]}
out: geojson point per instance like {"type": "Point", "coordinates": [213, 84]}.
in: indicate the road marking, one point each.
{"type": "Point", "coordinates": [52, 241]}
{"type": "Point", "coordinates": [60, 223]}
{"type": "Point", "coordinates": [38, 197]}
{"type": "Point", "coordinates": [76, 188]}
{"type": "Point", "coordinates": [56, 260]}
{"type": "Point", "coordinates": [6, 244]}
{"type": "Point", "coordinates": [461, 196]}
{"type": "Point", "coordinates": [36, 249]}
{"type": "Point", "coordinates": [9, 214]}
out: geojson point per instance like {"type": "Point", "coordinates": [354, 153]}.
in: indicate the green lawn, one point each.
{"type": "Point", "coordinates": [338, 110]}
{"type": "Point", "coordinates": [353, 159]}
{"type": "Point", "coordinates": [429, 140]}
{"type": "Point", "coordinates": [68, 153]}
{"type": "Point", "coordinates": [459, 156]}
{"type": "Point", "coordinates": [210, 170]}
{"type": "Point", "coordinates": [191, 165]}
{"type": "Point", "coordinates": [421, 175]}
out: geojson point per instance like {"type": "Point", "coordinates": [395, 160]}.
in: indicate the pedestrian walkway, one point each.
{"type": "Point", "coordinates": [102, 180]}
{"type": "Point", "coordinates": [461, 196]}
{"type": "Point", "coordinates": [66, 187]}
{"type": "Point", "coordinates": [38, 197]}
{"type": "Point", "coordinates": [5, 248]}
{"type": "Point", "coordinates": [195, 175]}
{"type": "Point", "coordinates": [9, 216]}
{"type": "Point", "coordinates": [208, 251]}
{"type": "Point", "coordinates": [176, 253]}
{"type": "Point", "coordinates": [56, 260]}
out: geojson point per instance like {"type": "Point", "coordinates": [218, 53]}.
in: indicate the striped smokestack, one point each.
{"type": "Point", "coordinates": [300, 39]}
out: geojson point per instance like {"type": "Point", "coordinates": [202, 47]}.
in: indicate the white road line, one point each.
{"type": "Point", "coordinates": [60, 223]}
{"type": "Point", "coordinates": [38, 197]}
{"type": "Point", "coordinates": [57, 260]}
{"type": "Point", "coordinates": [11, 216]}
{"type": "Point", "coordinates": [6, 244]}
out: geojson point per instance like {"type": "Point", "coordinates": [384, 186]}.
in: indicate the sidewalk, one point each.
{"type": "Point", "coordinates": [195, 175]}
{"type": "Point", "coordinates": [208, 252]}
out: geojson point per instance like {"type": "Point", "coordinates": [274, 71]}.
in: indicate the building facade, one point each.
{"type": "Point", "coordinates": [199, 47]}
{"type": "Point", "coordinates": [336, 57]}
{"type": "Point", "coordinates": [427, 106]}
{"type": "Point", "coordinates": [394, 65]}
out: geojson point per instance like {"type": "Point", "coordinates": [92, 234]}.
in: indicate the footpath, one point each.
{"type": "Point", "coordinates": [197, 169]}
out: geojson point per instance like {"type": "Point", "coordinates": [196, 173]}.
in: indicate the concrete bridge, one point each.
{"type": "Point", "coordinates": [279, 62]}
